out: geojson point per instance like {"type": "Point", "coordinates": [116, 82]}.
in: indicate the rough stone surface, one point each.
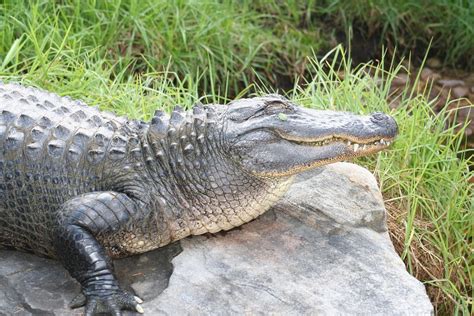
{"type": "Point", "coordinates": [323, 249]}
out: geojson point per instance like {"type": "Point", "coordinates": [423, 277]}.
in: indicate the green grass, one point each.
{"type": "Point", "coordinates": [132, 57]}
{"type": "Point", "coordinates": [206, 39]}
{"type": "Point", "coordinates": [230, 43]}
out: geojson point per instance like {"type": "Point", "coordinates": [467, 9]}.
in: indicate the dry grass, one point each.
{"type": "Point", "coordinates": [424, 261]}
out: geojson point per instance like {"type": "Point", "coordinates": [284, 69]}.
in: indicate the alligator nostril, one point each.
{"type": "Point", "coordinates": [379, 116]}
{"type": "Point", "coordinates": [386, 122]}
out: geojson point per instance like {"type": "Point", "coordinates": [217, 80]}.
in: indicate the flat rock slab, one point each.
{"type": "Point", "coordinates": [323, 249]}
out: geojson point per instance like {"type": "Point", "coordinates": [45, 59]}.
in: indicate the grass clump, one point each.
{"type": "Point", "coordinates": [206, 39]}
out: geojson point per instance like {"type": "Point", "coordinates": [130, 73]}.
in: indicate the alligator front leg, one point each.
{"type": "Point", "coordinates": [80, 221]}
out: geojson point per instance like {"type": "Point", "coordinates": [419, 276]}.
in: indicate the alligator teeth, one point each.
{"type": "Point", "coordinates": [356, 147]}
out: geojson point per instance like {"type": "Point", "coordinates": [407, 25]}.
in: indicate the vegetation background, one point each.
{"type": "Point", "coordinates": [133, 56]}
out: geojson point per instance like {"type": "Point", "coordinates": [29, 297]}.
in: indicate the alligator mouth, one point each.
{"type": "Point", "coordinates": [354, 147]}
{"type": "Point", "coordinates": [295, 154]}
{"type": "Point", "coordinates": [352, 144]}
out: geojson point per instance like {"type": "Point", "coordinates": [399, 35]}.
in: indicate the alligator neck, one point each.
{"type": "Point", "coordinates": [200, 189]}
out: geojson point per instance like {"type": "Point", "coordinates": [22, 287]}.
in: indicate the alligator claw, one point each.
{"type": "Point", "coordinates": [78, 301]}
{"type": "Point", "coordinates": [108, 303]}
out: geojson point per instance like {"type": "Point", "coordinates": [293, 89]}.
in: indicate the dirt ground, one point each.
{"type": "Point", "coordinates": [451, 87]}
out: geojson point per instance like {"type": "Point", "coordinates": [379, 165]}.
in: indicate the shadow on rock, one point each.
{"type": "Point", "coordinates": [148, 274]}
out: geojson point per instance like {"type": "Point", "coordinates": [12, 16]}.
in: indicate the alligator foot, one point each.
{"type": "Point", "coordinates": [109, 303]}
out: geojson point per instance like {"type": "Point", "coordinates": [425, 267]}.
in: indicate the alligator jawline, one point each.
{"type": "Point", "coordinates": [355, 145]}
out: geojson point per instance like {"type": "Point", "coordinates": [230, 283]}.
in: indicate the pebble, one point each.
{"type": "Point", "coordinates": [451, 83]}
{"type": "Point", "coordinates": [460, 92]}
{"type": "Point", "coordinates": [428, 74]}
{"type": "Point", "coordinates": [434, 63]}
{"type": "Point", "coordinates": [400, 79]}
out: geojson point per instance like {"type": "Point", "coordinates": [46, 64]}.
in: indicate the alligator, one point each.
{"type": "Point", "coordinates": [84, 186]}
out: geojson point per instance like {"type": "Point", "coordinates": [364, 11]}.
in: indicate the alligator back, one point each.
{"type": "Point", "coordinates": [51, 148]}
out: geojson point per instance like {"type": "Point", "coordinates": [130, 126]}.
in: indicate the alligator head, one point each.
{"type": "Point", "coordinates": [271, 136]}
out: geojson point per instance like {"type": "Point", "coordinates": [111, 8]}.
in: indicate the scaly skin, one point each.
{"type": "Point", "coordinates": [84, 186]}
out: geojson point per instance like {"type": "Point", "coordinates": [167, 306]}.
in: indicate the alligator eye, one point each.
{"type": "Point", "coordinates": [275, 107]}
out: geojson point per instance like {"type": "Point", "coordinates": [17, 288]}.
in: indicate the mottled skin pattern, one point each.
{"type": "Point", "coordinates": [84, 186]}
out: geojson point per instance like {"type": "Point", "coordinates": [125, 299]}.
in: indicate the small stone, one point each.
{"type": "Point", "coordinates": [400, 79]}
{"type": "Point", "coordinates": [434, 63]}
{"type": "Point", "coordinates": [450, 83]}
{"type": "Point", "coordinates": [428, 74]}
{"type": "Point", "coordinates": [460, 92]}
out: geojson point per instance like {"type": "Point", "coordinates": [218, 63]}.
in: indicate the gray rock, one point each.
{"type": "Point", "coordinates": [324, 249]}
